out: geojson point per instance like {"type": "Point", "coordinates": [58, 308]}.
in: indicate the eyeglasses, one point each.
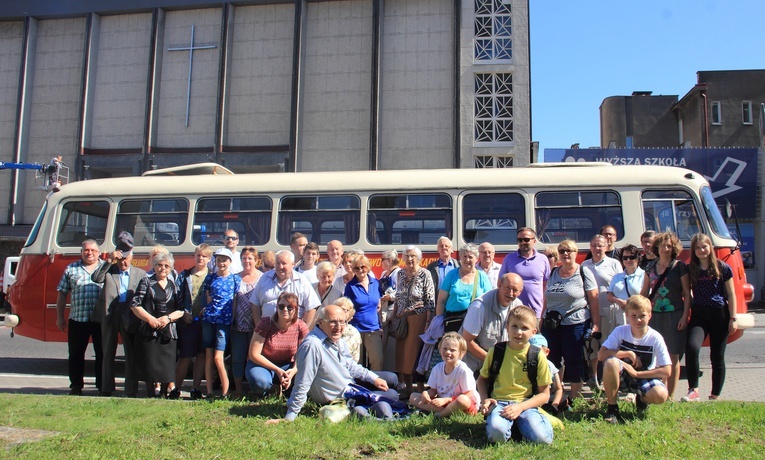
{"type": "Point", "coordinates": [360, 267]}
{"type": "Point", "coordinates": [550, 256]}
{"type": "Point", "coordinates": [268, 267]}
{"type": "Point", "coordinates": [163, 266]}
{"type": "Point", "coordinates": [335, 323]}
{"type": "Point", "coordinates": [284, 306]}
{"type": "Point", "coordinates": [565, 251]}
{"type": "Point", "coordinates": [231, 238]}
{"type": "Point", "coordinates": [629, 257]}
{"type": "Point", "coordinates": [524, 240]}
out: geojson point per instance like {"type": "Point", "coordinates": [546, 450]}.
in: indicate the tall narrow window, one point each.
{"type": "Point", "coordinates": [746, 112]}
{"type": "Point", "coordinates": [493, 108]}
{"type": "Point", "coordinates": [492, 36]}
{"type": "Point", "coordinates": [716, 113]}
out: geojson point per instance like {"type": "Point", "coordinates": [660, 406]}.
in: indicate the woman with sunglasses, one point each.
{"type": "Point", "coordinates": [244, 322]}
{"type": "Point", "coordinates": [273, 347]}
{"type": "Point", "coordinates": [629, 282]}
{"type": "Point", "coordinates": [364, 291]}
{"type": "Point", "coordinates": [570, 290]}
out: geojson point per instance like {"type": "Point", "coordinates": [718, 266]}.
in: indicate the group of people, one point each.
{"type": "Point", "coordinates": [313, 328]}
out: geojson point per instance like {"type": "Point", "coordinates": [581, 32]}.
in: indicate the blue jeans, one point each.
{"type": "Point", "coordinates": [261, 380]}
{"type": "Point", "coordinates": [534, 426]}
{"type": "Point", "coordinates": [240, 348]}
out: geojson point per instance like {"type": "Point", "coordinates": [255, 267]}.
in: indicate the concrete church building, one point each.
{"type": "Point", "coordinates": [120, 87]}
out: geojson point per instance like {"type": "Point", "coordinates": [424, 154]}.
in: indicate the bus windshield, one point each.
{"type": "Point", "coordinates": [716, 220]}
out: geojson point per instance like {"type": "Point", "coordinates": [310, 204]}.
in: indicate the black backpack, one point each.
{"type": "Point", "coordinates": [532, 365]}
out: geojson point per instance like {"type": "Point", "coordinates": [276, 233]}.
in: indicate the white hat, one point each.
{"type": "Point", "coordinates": [224, 252]}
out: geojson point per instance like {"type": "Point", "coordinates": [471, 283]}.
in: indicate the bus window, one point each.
{"type": "Point", "coordinates": [716, 219]}
{"type": "Point", "coordinates": [409, 218]}
{"type": "Point", "coordinates": [81, 220]}
{"type": "Point", "coordinates": [320, 218]}
{"type": "Point", "coordinates": [671, 210]}
{"type": "Point", "coordinates": [159, 221]}
{"type": "Point", "coordinates": [250, 217]}
{"type": "Point", "coordinates": [492, 217]}
{"type": "Point", "coordinates": [576, 215]}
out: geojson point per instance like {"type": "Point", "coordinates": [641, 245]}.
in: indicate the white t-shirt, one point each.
{"type": "Point", "coordinates": [310, 273]}
{"type": "Point", "coordinates": [650, 349]}
{"type": "Point", "coordinates": [460, 381]}
{"type": "Point", "coordinates": [604, 272]}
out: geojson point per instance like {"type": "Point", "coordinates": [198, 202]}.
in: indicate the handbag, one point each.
{"type": "Point", "coordinates": [398, 327]}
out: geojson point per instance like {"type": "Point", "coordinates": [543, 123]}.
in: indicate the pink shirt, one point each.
{"type": "Point", "coordinates": [280, 346]}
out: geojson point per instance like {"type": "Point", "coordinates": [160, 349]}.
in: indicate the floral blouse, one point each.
{"type": "Point", "coordinates": [414, 294]}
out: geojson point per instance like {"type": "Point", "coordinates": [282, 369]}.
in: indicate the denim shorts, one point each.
{"type": "Point", "coordinates": [215, 335]}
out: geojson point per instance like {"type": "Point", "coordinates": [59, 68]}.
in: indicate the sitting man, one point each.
{"type": "Point", "coordinates": [325, 366]}
{"type": "Point", "coordinates": [636, 359]}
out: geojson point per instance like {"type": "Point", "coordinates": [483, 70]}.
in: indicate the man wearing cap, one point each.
{"type": "Point", "coordinates": [284, 279]}
{"type": "Point", "coordinates": [230, 241]}
{"type": "Point", "coordinates": [484, 324]}
{"type": "Point", "coordinates": [80, 328]}
{"type": "Point", "coordinates": [120, 280]}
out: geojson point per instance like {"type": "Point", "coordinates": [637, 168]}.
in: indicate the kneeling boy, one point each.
{"type": "Point", "coordinates": [635, 358]}
{"type": "Point", "coordinates": [510, 399]}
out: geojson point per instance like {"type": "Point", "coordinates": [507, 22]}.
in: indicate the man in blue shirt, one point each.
{"type": "Point", "coordinates": [439, 268]}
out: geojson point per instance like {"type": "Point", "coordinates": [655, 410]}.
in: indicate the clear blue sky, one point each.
{"type": "Point", "coordinates": [585, 51]}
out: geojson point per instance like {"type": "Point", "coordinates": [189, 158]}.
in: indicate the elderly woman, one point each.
{"type": "Point", "coordinates": [274, 345]}
{"type": "Point", "coordinates": [350, 334]}
{"type": "Point", "coordinates": [388, 281]}
{"type": "Point", "coordinates": [156, 305]}
{"type": "Point", "coordinates": [327, 292]}
{"type": "Point", "coordinates": [364, 291]}
{"type": "Point", "coordinates": [460, 287]}
{"type": "Point", "coordinates": [570, 291]}
{"type": "Point", "coordinates": [244, 323]}
{"type": "Point", "coordinates": [668, 288]}
{"type": "Point", "coordinates": [415, 301]}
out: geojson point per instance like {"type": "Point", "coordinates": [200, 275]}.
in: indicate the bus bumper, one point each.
{"type": "Point", "coordinates": [11, 320]}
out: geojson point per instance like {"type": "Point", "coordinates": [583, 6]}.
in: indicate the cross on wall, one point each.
{"type": "Point", "coordinates": [190, 49]}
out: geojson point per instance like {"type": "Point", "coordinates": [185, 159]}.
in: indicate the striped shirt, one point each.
{"type": "Point", "coordinates": [76, 279]}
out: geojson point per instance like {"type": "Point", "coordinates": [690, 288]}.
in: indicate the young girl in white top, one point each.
{"type": "Point", "coordinates": [451, 382]}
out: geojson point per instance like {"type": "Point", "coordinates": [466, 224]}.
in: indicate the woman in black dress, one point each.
{"type": "Point", "coordinates": [156, 305]}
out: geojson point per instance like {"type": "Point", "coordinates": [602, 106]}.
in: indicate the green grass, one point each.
{"type": "Point", "coordinates": [152, 429]}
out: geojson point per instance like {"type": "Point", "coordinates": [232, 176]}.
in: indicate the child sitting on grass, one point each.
{"type": "Point", "coordinates": [451, 382]}
{"type": "Point", "coordinates": [511, 399]}
{"type": "Point", "coordinates": [556, 390]}
{"type": "Point", "coordinates": [635, 359]}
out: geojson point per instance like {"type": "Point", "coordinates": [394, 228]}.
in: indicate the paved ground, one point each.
{"type": "Point", "coordinates": [28, 366]}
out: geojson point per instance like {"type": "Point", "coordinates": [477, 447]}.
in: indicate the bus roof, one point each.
{"type": "Point", "coordinates": [592, 175]}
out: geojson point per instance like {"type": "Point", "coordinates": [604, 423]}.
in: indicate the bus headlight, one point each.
{"type": "Point", "coordinates": [11, 320]}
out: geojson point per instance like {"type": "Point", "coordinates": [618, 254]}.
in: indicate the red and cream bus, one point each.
{"type": "Point", "coordinates": [370, 210]}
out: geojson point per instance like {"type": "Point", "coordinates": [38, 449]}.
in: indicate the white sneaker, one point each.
{"type": "Point", "coordinates": [692, 396]}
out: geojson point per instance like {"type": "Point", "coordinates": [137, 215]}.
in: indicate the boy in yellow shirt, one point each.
{"type": "Point", "coordinates": [511, 399]}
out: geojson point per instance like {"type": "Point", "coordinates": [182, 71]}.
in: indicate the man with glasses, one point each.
{"type": "Point", "coordinates": [609, 231]}
{"type": "Point", "coordinates": [230, 241]}
{"type": "Point", "coordinates": [284, 279]}
{"type": "Point", "coordinates": [80, 328]}
{"type": "Point", "coordinates": [532, 266]}
{"type": "Point", "coordinates": [325, 366]}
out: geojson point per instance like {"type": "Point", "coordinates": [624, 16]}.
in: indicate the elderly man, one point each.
{"type": "Point", "coordinates": [484, 324]}
{"type": "Point", "coordinates": [487, 264]}
{"type": "Point", "coordinates": [230, 241]}
{"type": "Point", "coordinates": [80, 328]}
{"type": "Point", "coordinates": [532, 266]}
{"type": "Point", "coordinates": [120, 280]}
{"type": "Point", "coordinates": [335, 253]}
{"type": "Point", "coordinates": [444, 264]}
{"type": "Point", "coordinates": [284, 279]}
{"type": "Point", "coordinates": [325, 366]}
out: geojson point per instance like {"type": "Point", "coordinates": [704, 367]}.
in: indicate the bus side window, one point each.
{"type": "Point", "coordinates": [409, 218]}
{"type": "Point", "coordinates": [492, 217]}
{"type": "Point", "coordinates": [671, 210]}
{"type": "Point", "coordinates": [81, 220]}
{"type": "Point", "coordinates": [249, 216]}
{"type": "Point", "coordinates": [320, 218]}
{"type": "Point", "coordinates": [159, 221]}
{"type": "Point", "coordinates": [577, 215]}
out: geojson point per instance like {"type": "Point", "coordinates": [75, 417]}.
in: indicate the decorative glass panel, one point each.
{"type": "Point", "coordinates": [492, 27]}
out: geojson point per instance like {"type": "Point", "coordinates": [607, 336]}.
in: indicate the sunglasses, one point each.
{"type": "Point", "coordinates": [231, 238]}
{"type": "Point", "coordinates": [268, 267]}
{"type": "Point", "coordinates": [361, 267]}
{"type": "Point", "coordinates": [524, 240]}
{"type": "Point", "coordinates": [565, 251]}
{"type": "Point", "coordinates": [284, 306]}
{"type": "Point", "coordinates": [629, 257]}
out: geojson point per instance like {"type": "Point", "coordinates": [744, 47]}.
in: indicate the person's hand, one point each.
{"type": "Point", "coordinates": [629, 369]}
{"type": "Point", "coordinates": [595, 328]}
{"type": "Point", "coordinates": [154, 323]}
{"type": "Point", "coordinates": [487, 405]}
{"type": "Point", "coordinates": [440, 402]}
{"type": "Point", "coordinates": [634, 360]}
{"type": "Point", "coordinates": [187, 318]}
{"type": "Point", "coordinates": [381, 384]}
{"type": "Point", "coordinates": [683, 323]}
{"type": "Point", "coordinates": [511, 411]}
{"type": "Point", "coordinates": [732, 327]}
{"type": "Point", "coordinates": [275, 421]}
{"type": "Point", "coordinates": [61, 324]}
{"type": "Point", "coordinates": [116, 256]}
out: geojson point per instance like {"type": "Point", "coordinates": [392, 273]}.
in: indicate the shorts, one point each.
{"type": "Point", "coordinates": [473, 409]}
{"type": "Point", "coordinates": [628, 384]}
{"type": "Point", "coordinates": [215, 336]}
{"type": "Point", "coordinates": [190, 339]}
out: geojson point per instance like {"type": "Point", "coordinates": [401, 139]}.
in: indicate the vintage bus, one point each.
{"type": "Point", "coordinates": [370, 210]}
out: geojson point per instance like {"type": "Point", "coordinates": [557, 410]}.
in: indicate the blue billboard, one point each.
{"type": "Point", "coordinates": [731, 172]}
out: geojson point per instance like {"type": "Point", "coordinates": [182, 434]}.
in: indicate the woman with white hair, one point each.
{"type": "Point", "coordinates": [460, 287]}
